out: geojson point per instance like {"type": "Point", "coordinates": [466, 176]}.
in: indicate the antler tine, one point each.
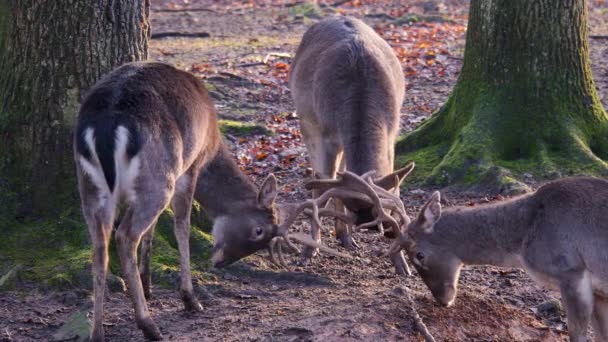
{"type": "Point", "coordinates": [392, 202]}
{"type": "Point", "coordinates": [358, 183]}
{"type": "Point", "coordinates": [310, 208]}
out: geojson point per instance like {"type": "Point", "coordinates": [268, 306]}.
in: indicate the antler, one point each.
{"type": "Point", "coordinates": [315, 208]}
{"type": "Point", "coordinates": [348, 186]}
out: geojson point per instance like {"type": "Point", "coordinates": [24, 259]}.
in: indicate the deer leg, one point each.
{"type": "Point", "coordinates": [600, 318]}
{"type": "Point", "coordinates": [577, 296]}
{"type": "Point", "coordinates": [135, 224]}
{"type": "Point", "coordinates": [100, 235]}
{"type": "Point", "coordinates": [182, 206]}
{"type": "Point", "coordinates": [325, 154]}
{"type": "Point", "coordinates": [144, 261]}
{"type": "Point", "coordinates": [343, 231]}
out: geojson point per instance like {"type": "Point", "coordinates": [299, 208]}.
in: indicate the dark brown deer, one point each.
{"type": "Point", "coordinates": [348, 88]}
{"type": "Point", "coordinates": [143, 135]}
{"type": "Point", "coordinates": [558, 234]}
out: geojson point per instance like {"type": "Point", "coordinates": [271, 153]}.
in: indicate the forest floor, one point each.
{"type": "Point", "coordinates": [244, 61]}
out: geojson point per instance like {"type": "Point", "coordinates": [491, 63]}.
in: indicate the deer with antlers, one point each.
{"type": "Point", "coordinates": [558, 235]}
{"type": "Point", "coordinates": [348, 87]}
{"type": "Point", "coordinates": [147, 138]}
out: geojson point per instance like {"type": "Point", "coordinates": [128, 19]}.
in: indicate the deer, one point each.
{"type": "Point", "coordinates": [558, 235]}
{"type": "Point", "coordinates": [348, 87]}
{"type": "Point", "coordinates": [147, 138]}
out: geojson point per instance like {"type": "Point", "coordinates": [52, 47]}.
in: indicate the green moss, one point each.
{"type": "Point", "coordinates": [239, 128]}
{"type": "Point", "coordinates": [426, 159]}
{"type": "Point", "coordinates": [482, 127]}
{"type": "Point", "coordinates": [306, 10]}
{"type": "Point", "coordinates": [57, 254]}
{"type": "Point", "coordinates": [414, 18]}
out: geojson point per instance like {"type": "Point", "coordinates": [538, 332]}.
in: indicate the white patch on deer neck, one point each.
{"type": "Point", "coordinates": [218, 256]}
{"type": "Point", "coordinates": [126, 170]}
{"type": "Point", "coordinates": [218, 232]}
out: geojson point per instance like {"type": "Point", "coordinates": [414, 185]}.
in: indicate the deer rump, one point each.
{"type": "Point", "coordinates": [132, 107]}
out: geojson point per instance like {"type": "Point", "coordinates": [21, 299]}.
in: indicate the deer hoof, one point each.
{"type": "Point", "coordinates": [192, 305]}
{"type": "Point", "coordinates": [347, 241]}
{"type": "Point", "coordinates": [151, 331]}
{"type": "Point", "coordinates": [307, 254]}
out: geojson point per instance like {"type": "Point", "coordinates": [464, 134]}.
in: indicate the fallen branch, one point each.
{"type": "Point", "coordinates": [276, 54]}
{"type": "Point", "coordinates": [177, 10]}
{"type": "Point", "coordinates": [159, 35]}
{"type": "Point", "coordinates": [339, 2]}
{"type": "Point", "coordinates": [420, 326]}
{"type": "Point", "coordinates": [247, 65]}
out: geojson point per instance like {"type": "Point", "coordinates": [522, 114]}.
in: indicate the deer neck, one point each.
{"type": "Point", "coordinates": [222, 188]}
{"type": "Point", "coordinates": [486, 235]}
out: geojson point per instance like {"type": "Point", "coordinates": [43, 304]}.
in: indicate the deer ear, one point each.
{"type": "Point", "coordinates": [268, 192]}
{"type": "Point", "coordinates": [388, 182]}
{"type": "Point", "coordinates": [431, 212]}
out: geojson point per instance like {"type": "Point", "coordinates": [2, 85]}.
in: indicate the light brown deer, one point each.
{"type": "Point", "coordinates": [348, 88]}
{"type": "Point", "coordinates": [143, 135]}
{"type": "Point", "coordinates": [558, 234]}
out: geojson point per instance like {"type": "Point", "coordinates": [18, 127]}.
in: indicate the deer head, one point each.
{"type": "Point", "coordinates": [251, 229]}
{"type": "Point", "coordinates": [437, 266]}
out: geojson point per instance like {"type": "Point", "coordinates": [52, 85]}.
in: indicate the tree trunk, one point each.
{"type": "Point", "coordinates": [525, 101]}
{"type": "Point", "coordinates": [51, 53]}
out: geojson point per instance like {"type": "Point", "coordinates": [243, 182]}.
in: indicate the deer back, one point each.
{"type": "Point", "coordinates": [144, 121]}
{"type": "Point", "coordinates": [348, 85]}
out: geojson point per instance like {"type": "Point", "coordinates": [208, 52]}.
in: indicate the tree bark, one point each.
{"type": "Point", "coordinates": [525, 101]}
{"type": "Point", "coordinates": [51, 53]}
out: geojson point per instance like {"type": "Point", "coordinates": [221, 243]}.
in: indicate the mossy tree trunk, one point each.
{"type": "Point", "coordinates": [51, 53]}
{"type": "Point", "coordinates": [525, 101]}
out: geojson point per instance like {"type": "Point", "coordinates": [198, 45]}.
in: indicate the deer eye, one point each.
{"type": "Point", "coordinates": [259, 231]}
{"type": "Point", "coordinates": [420, 256]}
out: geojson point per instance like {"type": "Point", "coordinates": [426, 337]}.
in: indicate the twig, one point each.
{"type": "Point", "coordinates": [247, 65]}
{"type": "Point", "coordinates": [276, 54]}
{"type": "Point", "coordinates": [180, 34]}
{"type": "Point", "coordinates": [177, 10]}
{"type": "Point", "coordinates": [420, 326]}
{"type": "Point", "coordinates": [598, 37]}
{"type": "Point", "coordinates": [339, 2]}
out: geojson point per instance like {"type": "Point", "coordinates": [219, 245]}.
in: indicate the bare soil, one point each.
{"type": "Point", "coordinates": [332, 299]}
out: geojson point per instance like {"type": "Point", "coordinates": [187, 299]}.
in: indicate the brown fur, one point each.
{"type": "Point", "coordinates": [144, 134]}
{"type": "Point", "coordinates": [348, 88]}
{"type": "Point", "coordinates": [559, 235]}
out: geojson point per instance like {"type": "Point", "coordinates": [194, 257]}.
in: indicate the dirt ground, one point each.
{"type": "Point", "coordinates": [244, 61]}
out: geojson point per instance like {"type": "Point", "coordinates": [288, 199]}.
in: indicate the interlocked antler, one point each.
{"type": "Point", "coordinates": [348, 186]}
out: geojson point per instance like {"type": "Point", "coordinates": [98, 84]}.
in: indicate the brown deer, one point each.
{"type": "Point", "coordinates": [144, 133]}
{"type": "Point", "coordinates": [558, 234]}
{"type": "Point", "coordinates": [348, 88]}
